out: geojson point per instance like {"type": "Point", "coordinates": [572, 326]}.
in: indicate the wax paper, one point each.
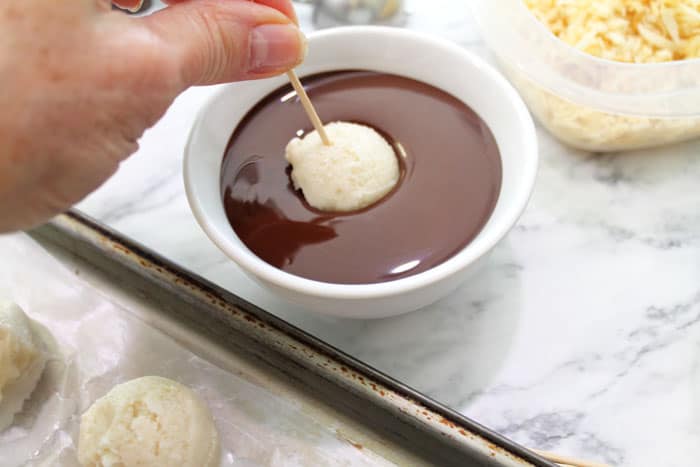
{"type": "Point", "coordinates": [95, 344]}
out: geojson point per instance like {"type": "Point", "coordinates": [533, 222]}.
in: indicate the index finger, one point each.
{"type": "Point", "coordinates": [284, 6]}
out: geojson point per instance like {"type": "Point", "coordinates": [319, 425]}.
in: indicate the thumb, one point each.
{"type": "Point", "coordinates": [221, 41]}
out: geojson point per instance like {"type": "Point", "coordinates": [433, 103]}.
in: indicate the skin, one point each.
{"type": "Point", "coordinates": [80, 83]}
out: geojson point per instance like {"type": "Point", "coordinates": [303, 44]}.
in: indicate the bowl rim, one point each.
{"type": "Point", "coordinates": [252, 264]}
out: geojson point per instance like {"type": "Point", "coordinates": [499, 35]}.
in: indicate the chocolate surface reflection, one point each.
{"type": "Point", "coordinates": [451, 176]}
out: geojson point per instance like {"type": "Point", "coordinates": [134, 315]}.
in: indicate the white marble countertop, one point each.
{"type": "Point", "coordinates": [582, 336]}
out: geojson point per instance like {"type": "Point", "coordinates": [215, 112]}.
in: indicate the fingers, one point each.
{"type": "Point", "coordinates": [283, 6]}
{"type": "Point", "coordinates": [221, 41]}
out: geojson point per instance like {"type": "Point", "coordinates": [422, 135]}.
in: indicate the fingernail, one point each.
{"type": "Point", "coordinates": [132, 6]}
{"type": "Point", "coordinates": [276, 48]}
{"type": "Point", "coordinates": [136, 8]}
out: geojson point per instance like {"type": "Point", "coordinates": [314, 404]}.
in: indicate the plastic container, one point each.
{"type": "Point", "coordinates": [585, 101]}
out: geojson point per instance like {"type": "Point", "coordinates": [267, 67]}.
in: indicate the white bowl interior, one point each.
{"type": "Point", "coordinates": [436, 62]}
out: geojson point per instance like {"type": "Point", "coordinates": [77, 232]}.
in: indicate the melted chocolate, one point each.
{"type": "Point", "coordinates": [450, 180]}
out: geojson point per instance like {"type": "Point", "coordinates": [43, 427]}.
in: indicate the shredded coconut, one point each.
{"type": "Point", "coordinates": [633, 31]}
{"type": "Point", "coordinates": [595, 130]}
{"type": "Point", "coordinates": [638, 31]}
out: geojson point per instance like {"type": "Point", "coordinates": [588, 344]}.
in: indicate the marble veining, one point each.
{"type": "Point", "coordinates": [582, 334]}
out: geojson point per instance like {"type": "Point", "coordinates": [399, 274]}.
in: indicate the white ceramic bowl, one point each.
{"type": "Point", "coordinates": [424, 58]}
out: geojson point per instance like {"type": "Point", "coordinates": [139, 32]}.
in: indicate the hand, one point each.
{"type": "Point", "coordinates": [79, 84]}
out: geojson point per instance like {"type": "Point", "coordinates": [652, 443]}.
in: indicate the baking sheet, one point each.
{"type": "Point", "coordinates": [99, 344]}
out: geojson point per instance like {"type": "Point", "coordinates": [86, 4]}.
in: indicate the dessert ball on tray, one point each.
{"type": "Point", "coordinates": [151, 422]}
{"type": "Point", "coordinates": [22, 360]}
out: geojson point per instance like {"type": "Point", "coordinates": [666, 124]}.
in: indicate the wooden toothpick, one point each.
{"type": "Point", "coordinates": [308, 107]}
{"type": "Point", "coordinates": [567, 461]}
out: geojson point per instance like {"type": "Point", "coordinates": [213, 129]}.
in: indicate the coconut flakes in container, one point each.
{"type": "Point", "coordinates": [602, 76]}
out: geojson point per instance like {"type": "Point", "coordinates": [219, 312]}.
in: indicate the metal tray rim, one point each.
{"type": "Point", "coordinates": [328, 361]}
